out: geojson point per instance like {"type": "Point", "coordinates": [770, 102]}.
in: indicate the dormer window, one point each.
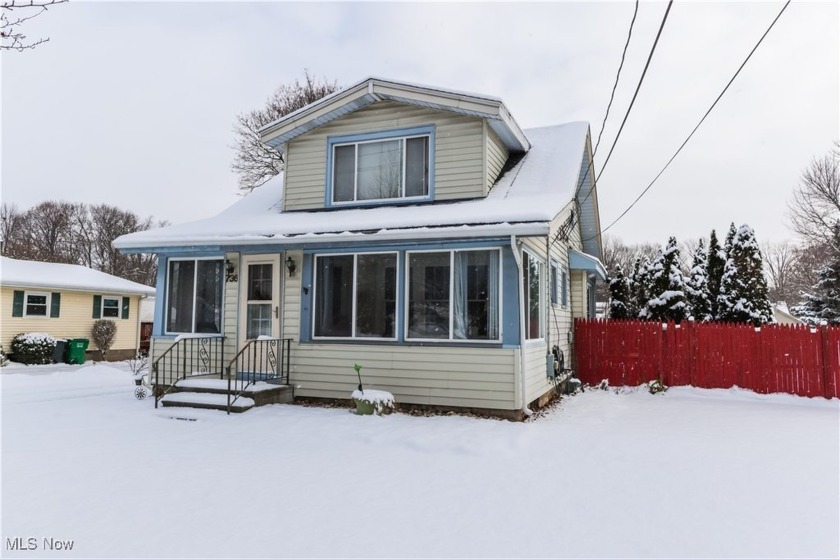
{"type": "Point", "coordinates": [381, 167]}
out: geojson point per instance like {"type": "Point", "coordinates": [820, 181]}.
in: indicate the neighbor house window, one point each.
{"type": "Point", "coordinates": [110, 307]}
{"type": "Point", "coordinates": [453, 295]}
{"type": "Point", "coordinates": [194, 296]}
{"type": "Point", "coordinates": [36, 303]}
{"type": "Point", "coordinates": [532, 274]}
{"type": "Point", "coordinates": [395, 166]}
{"type": "Point", "coordinates": [355, 296]}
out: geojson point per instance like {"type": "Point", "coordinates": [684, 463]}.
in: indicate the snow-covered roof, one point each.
{"type": "Point", "coordinates": [523, 202]}
{"type": "Point", "coordinates": [47, 275]}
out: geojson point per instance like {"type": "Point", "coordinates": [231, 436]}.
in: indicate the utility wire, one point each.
{"type": "Point", "coordinates": [617, 76]}
{"type": "Point", "coordinates": [639, 197]}
{"type": "Point", "coordinates": [638, 86]}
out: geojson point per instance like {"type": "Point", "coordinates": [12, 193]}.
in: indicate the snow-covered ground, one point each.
{"type": "Point", "coordinates": [688, 473]}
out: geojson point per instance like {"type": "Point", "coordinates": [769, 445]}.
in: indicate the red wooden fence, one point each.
{"type": "Point", "coordinates": [775, 358]}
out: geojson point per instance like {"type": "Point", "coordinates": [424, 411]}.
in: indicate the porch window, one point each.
{"type": "Point", "coordinates": [194, 296]}
{"type": "Point", "coordinates": [532, 274]}
{"type": "Point", "coordinates": [453, 295]}
{"type": "Point", "coordinates": [355, 296]}
{"type": "Point", "coordinates": [395, 166]}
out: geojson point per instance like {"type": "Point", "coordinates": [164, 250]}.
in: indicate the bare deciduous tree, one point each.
{"type": "Point", "coordinates": [780, 262]}
{"type": "Point", "coordinates": [77, 234]}
{"type": "Point", "coordinates": [256, 162]}
{"type": "Point", "coordinates": [13, 14]}
{"type": "Point", "coordinates": [815, 207]}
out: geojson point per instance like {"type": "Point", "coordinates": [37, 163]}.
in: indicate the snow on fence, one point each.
{"type": "Point", "coordinates": [775, 358]}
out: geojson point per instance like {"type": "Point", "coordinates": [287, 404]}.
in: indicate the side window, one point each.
{"type": "Point", "coordinates": [532, 278]}
{"type": "Point", "coordinates": [554, 279]}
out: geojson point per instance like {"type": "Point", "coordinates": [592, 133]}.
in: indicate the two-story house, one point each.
{"type": "Point", "coordinates": [416, 231]}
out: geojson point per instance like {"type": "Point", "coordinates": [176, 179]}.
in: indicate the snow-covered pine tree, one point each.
{"type": "Point", "coordinates": [697, 288]}
{"type": "Point", "coordinates": [667, 286]}
{"type": "Point", "coordinates": [730, 237]}
{"type": "Point", "coordinates": [715, 261]}
{"type": "Point", "coordinates": [822, 302]}
{"type": "Point", "coordinates": [639, 287]}
{"type": "Point", "coordinates": [619, 295]}
{"type": "Point", "coordinates": [743, 287]}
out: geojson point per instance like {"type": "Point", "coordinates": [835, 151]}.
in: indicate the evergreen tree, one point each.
{"type": "Point", "coordinates": [743, 288]}
{"type": "Point", "coordinates": [620, 295]}
{"type": "Point", "coordinates": [730, 238]}
{"type": "Point", "coordinates": [697, 288]}
{"type": "Point", "coordinates": [715, 262]}
{"type": "Point", "coordinates": [822, 303]}
{"type": "Point", "coordinates": [639, 287]}
{"type": "Point", "coordinates": [667, 286]}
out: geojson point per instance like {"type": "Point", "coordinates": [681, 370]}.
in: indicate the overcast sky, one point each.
{"type": "Point", "coordinates": [133, 104]}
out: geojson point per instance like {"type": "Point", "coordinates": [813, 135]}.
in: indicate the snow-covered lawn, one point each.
{"type": "Point", "coordinates": [688, 473]}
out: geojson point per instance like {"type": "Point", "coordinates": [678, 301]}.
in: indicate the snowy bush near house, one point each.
{"type": "Point", "coordinates": [382, 402]}
{"type": "Point", "coordinates": [4, 360]}
{"type": "Point", "coordinates": [33, 348]}
{"type": "Point", "coordinates": [104, 332]}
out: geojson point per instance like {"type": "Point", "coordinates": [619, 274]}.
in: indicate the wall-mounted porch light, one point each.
{"type": "Point", "coordinates": [230, 272]}
{"type": "Point", "coordinates": [291, 266]}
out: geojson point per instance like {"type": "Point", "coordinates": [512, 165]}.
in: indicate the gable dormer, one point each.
{"type": "Point", "coordinates": [384, 142]}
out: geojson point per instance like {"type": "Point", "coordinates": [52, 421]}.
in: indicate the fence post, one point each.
{"type": "Point", "coordinates": [823, 353]}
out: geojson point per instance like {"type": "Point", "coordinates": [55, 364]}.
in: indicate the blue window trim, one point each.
{"type": "Point", "coordinates": [509, 312]}
{"type": "Point", "coordinates": [332, 141]}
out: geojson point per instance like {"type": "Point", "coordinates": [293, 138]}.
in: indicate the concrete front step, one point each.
{"type": "Point", "coordinates": [201, 393]}
{"type": "Point", "coordinates": [205, 400]}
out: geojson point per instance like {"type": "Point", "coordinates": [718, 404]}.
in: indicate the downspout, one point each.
{"type": "Point", "coordinates": [521, 291]}
{"type": "Point", "coordinates": [547, 294]}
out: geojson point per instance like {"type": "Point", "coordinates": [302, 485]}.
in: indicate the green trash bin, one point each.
{"type": "Point", "coordinates": [76, 350]}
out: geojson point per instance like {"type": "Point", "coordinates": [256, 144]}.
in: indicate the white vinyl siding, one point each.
{"type": "Point", "coordinates": [459, 152]}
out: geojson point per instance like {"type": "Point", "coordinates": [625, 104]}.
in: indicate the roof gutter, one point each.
{"type": "Point", "coordinates": [528, 229]}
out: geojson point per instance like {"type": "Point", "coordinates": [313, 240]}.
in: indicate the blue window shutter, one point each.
{"type": "Point", "coordinates": [17, 304]}
{"type": "Point", "coordinates": [55, 305]}
{"type": "Point", "coordinates": [126, 301]}
{"type": "Point", "coordinates": [97, 306]}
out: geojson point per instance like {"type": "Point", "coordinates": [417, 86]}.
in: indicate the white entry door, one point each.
{"type": "Point", "coordinates": [260, 297]}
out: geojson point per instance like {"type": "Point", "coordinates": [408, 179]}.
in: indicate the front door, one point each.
{"type": "Point", "coordinates": [260, 297]}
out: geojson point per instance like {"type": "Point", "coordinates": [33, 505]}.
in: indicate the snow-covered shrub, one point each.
{"type": "Point", "coordinates": [4, 360]}
{"type": "Point", "coordinates": [381, 401]}
{"type": "Point", "coordinates": [604, 384]}
{"type": "Point", "coordinates": [656, 386]}
{"type": "Point", "coordinates": [33, 348]}
{"type": "Point", "coordinates": [104, 332]}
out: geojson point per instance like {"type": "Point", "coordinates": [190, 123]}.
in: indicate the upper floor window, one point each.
{"type": "Point", "coordinates": [381, 167]}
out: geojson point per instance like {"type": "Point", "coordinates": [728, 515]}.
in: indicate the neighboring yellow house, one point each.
{"type": "Point", "coordinates": [64, 300]}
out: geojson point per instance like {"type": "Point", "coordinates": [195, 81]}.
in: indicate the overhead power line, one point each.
{"type": "Point", "coordinates": [741, 67]}
{"type": "Point", "coordinates": [617, 76]}
{"type": "Point", "coordinates": [638, 87]}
